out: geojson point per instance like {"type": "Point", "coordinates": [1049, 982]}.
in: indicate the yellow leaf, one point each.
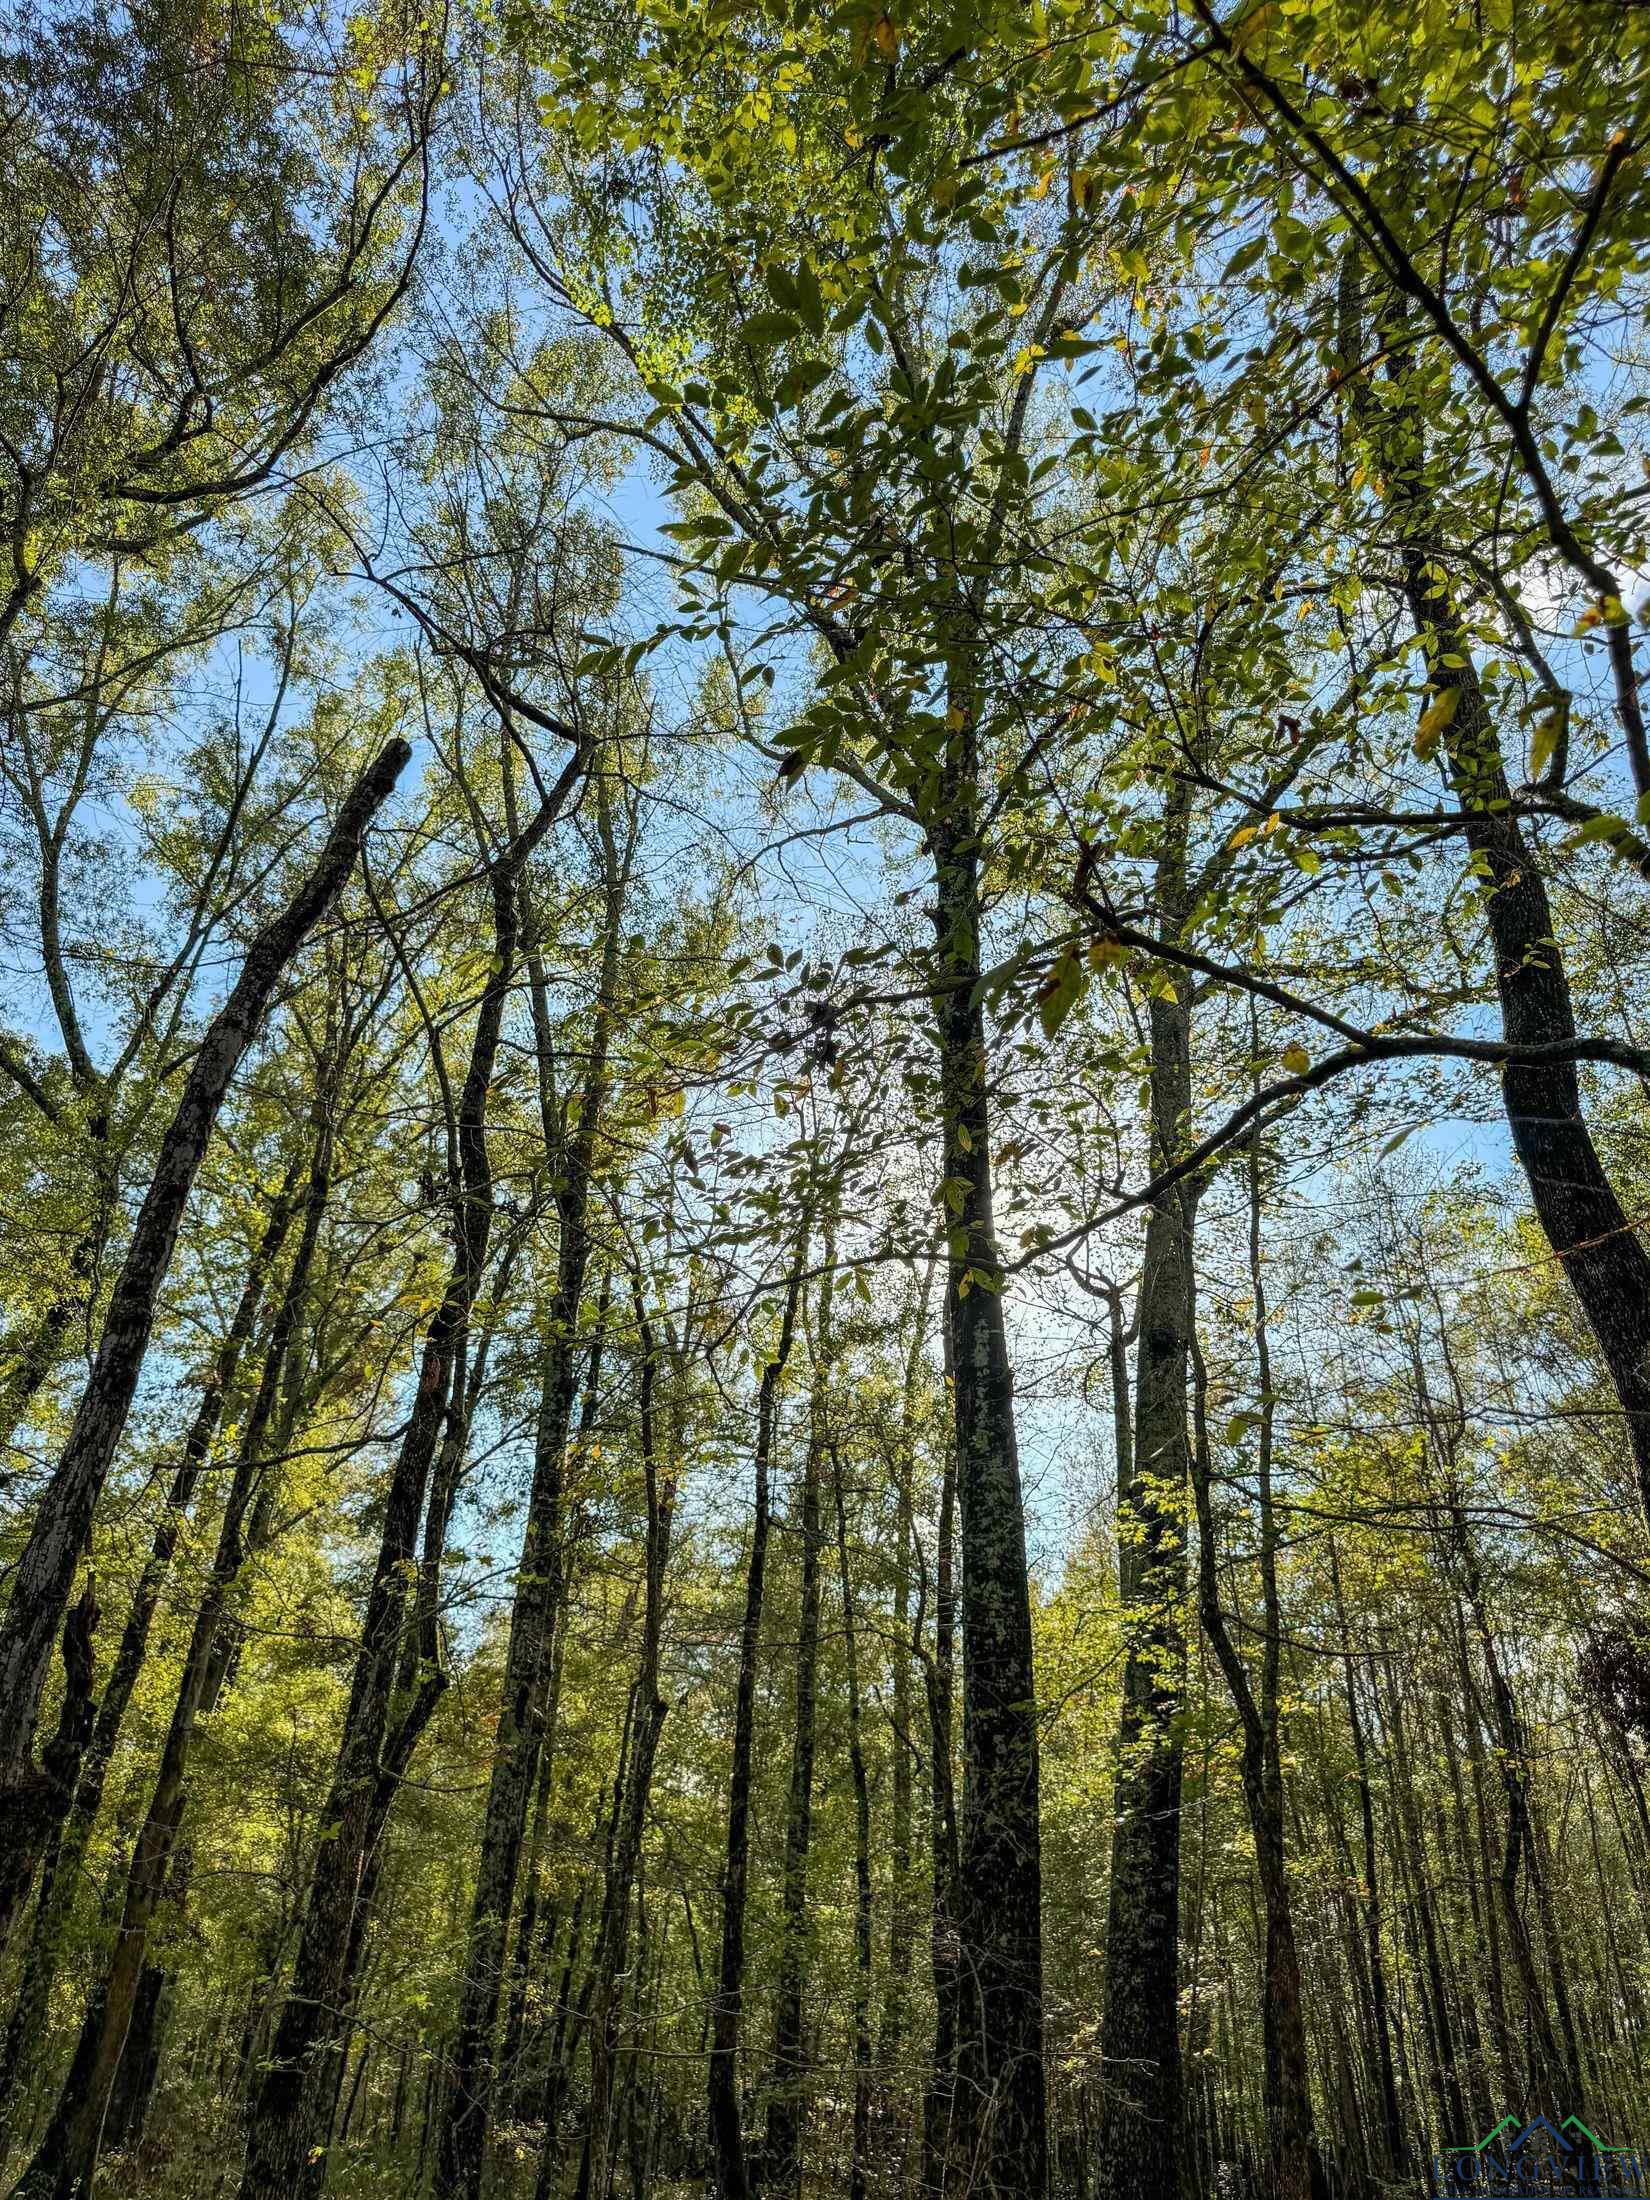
{"type": "Point", "coordinates": [1296, 1060]}
{"type": "Point", "coordinates": [1436, 721]}
{"type": "Point", "coordinates": [885, 36]}
{"type": "Point", "coordinates": [1543, 741]}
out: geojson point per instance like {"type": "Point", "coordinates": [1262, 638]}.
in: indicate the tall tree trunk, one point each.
{"type": "Point", "coordinates": [139, 2071]}
{"type": "Point", "coordinates": [1287, 2087]}
{"type": "Point", "coordinates": [782, 2166]}
{"type": "Point", "coordinates": [902, 1888]}
{"type": "Point", "coordinates": [525, 1948]}
{"type": "Point", "coordinates": [291, 2112]}
{"type": "Point", "coordinates": [1000, 2077]}
{"type": "Point", "coordinates": [939, 2152]}
{"type": "Point", "coordinates": [65, 2162]}
{"type": "Point", "coordinates": [1552, 2063]}
{"type": "Point", "coordinates": [1434, 1997]}
{"type": "Point", "coordinates": [60, 1875]}
{"type": "Point", "coordinates": [863, 1920]}
{"type": "Point", "coordinates": [1138, 2139]}
{"type": "Point", "coordinates": [1575, 1202]}
{"type": "Point", "coordinates": [648, 1718]}
{"type": "Point", "coordinates": [535, 1939]}
{"type": "Point", "coordinates": [727, 2135]}
{"type": "Point", "coordinates": [536, 1607]}
{"type": "Point", "coordinates": [33, 1798]}
{"type": "Point", "coordinates": [1392, 2129]}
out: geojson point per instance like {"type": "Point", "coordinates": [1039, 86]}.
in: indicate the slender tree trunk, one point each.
{"type": "Point", "coordinates": [536, 1608]}
{"type": "Point", "coordinates": [1435, 2000]}
{"type": "Point", "coordinates": [862, 1858]}
{"type": "Point", "coordinates": [525, 1947]}
{"type": "Point", "coordinates": [902, 1891]}
{"type": "Point", "coordinates": [1392, 2129]}
{"type": "Point", "coordinates": [35, 1797]}
{"type": "Point", "coordinates": [1552, 2070]}
{"type": "Point", "coordinates": [938, 2108]}
{"type": "Point", "coordinates": [648, 1718]}
{"type": "Point", "coordinates": [782, 2165]}
{"type": "Point", "coordinates": [555, 2077]}
{"type": "Point", "coordinates": [134, 2089]}
{"type": "Point", "coordinates": [535, 1937]}
{"type": "Point", "coordinates": [1287, 2086]}
{"type": "Point", "coordinates": [291, 2111]}
{"type": "Point", "coordinates": [727, 2136]}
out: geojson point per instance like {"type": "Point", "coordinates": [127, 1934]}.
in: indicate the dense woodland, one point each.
{"type": "Point", "coordinates": [824, 1199]}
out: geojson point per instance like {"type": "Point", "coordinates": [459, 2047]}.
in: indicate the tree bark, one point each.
{"type": "Point", "coordinates": [647, 1722]}
{"type": "Point", "coordinates": [134, 2091]}
{"type": "Point", "coordinates": [1137, 2142]}
{"type": "Point", "coordinates": [782, 2163]}
{"type": "Point", "coordinates": [1287, 2087]}
{"type": "Point", "coordinates": [34, 1798]}
{"type": "Point", "coordinates": [727, 2136]}
{"type": "Point", "coordinates": [65, 1856]}
{"type": "Point", "coordinates": [939, 1671]}
{"type": "Point", "coordinates": [902, 1887]}
{"type": "Point", "coordinates": [863, 1919]}
{"type": "Point", "coordinates": [1392, 2129]}
{"type": "Point", "coordinates": [291, 2113]}
{"type": "Point", "coordinates": [1575, 1202]}
{"type": "Point", "coordinates": [65, 2163]}
{"type": "Point", "coordinates": [536, 1608]}
{"type": "Point", "coordinates": [999, 2062]}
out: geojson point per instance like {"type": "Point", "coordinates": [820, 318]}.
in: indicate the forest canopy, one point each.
{"type": "Point", "coordinates": [824, 1189]}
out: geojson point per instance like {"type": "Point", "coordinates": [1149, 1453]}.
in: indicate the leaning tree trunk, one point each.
{"type": "Point", "coordinates": [34, 1798]}
{"type": "Point", "coordinates": [1575, 1202]}
{"type": "Point", "coordinates": [60, 1873]}
{"type": "Point", "coordinates": [727, 2134]}
{"type": "Point", "coordinates": [65, 2163]}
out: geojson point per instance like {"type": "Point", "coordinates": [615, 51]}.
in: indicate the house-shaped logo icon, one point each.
{"type": "Point", "coordinates": [1538, 2159]}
